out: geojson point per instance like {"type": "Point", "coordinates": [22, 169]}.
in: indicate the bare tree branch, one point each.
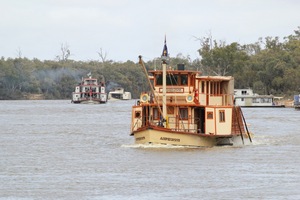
{"type": "Point", "coordinates": [65, 53]}
{"type": "Point", "coordinates": [102, 55]}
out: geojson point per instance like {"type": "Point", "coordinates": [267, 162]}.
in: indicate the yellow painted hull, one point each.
{"type": "Point", "coordinates": [152, 136]}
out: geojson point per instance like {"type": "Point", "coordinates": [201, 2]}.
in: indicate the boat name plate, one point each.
{"type": "Point", "coordinates": [170, 139]}
{"type": "Point", "coordinates": [139, 138]}
{"type": "Point", "coordinates": [172, 90]}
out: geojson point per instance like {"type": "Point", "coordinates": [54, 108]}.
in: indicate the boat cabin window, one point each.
{"type": "Point", "coordinates": [210, 115]}
{"type": "Point", "coordinates": [183, 114]}
{"type": "Point", "coordinates": [184, 79]}
{"type": "Point", "coordinates": [172, 79]}
{"type": "Point", "coordinates": [266, 100]}
{"type": "Point", "coordinates": [181, 79]}
{"type": "Point", "coordinates": [170, 110]}
{"type": "Point", "coordinates": [255, 100]}
{"type": "Point", "coordinates": [202, 87]}
{"type": "Point", "coordinates": [137, 114]}
{"type": "Point", "coordinates": [156, 115]}
{"type": "Point", "coordinates": [222, 115]}
{"type": "Point", "coordinates": [158, 80]}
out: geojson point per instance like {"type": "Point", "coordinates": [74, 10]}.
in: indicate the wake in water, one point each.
{"type": "Point", "coordinates": [156, 146]}
{"type": "Point", "coordinates": [168, 146]}
{"type": "Point", "coordinates": [259, 140]}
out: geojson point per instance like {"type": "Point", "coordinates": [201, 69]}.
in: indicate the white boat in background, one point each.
{"type": "Point", "coordinates": [246, 98]}
{"type": "Point", "coordinates": [187, 109]}
{"type": "Point", "coordinates": [119, 94]}
{"type": "Point", "coordinates": [297, 102]}
{"type": "Point", "coordinates": [89, 91]}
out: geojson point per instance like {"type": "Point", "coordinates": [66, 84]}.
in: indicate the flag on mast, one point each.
{"type": "Point", "coordinates": [165, 50]}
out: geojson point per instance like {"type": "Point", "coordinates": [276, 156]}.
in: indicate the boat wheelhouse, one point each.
{"type": "Point", "coordinates": [89, 90]}
{"type": "Point", "coordinates": [187, 109]}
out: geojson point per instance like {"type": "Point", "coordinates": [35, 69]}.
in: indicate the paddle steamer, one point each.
{"type": "Point", "coordinates": [90, 91]}
{"type": "Point", "coordinates": [188, 109]}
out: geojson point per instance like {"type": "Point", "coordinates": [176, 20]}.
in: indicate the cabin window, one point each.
{"type": "Point", "coordinates": [183, 79]}
{"type": "Point", "coordinates": [183, 113]}
{"type": "Point", "coordinates": [244, 92]}
{"type": "Point", "coordinates": [255, 100]}
{"type": "Point", "coordinates": [170, 110]}
{"type": "Point", "coordinates": [158, 80]}
{"type": "Point", "coordinates": [202, 87]}
{"type": "Point", "coordinates": [137, 114]}
{"type": "Point", "coordinates": [156, 115]}
{"type": "Point", "coordinates": [172, 79]}
{"type": "Point", "coordinates": [222, 115]}
{"type": "Point", "coordinates": [266, 100]}
{"type": "Point", "coordinates": [210, 115]}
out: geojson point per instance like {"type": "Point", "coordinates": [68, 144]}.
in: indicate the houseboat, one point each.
{"type": "Point", "coordinates": [187, 109]}
{"type": "Point", "coordinates": [246, 98]}
{"type": "Point", "coordinates": [119, 94]}
{"type": "Point", "coordinates": [89, 91]}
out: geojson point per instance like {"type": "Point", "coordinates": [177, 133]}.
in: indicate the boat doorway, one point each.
{"type": "Point", "coordinates": [145, 115]}
{"type": "Point", "coordinates": [200, 119]}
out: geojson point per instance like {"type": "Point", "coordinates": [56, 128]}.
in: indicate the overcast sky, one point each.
{"type": "Point", "coordinates": [125, 29]}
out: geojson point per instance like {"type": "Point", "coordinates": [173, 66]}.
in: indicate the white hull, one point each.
{"type": "Point", "coordinates": [90, 102]}
{"type": "Point", "coordinates": [116, 99]}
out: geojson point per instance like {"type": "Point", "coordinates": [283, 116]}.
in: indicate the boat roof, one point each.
{"type": "Point", "coordinates": [175, 72]}
{"type": "Point", "coordinates": [198, 73]}
{"type": "Point", "coordinates": [225, 78]}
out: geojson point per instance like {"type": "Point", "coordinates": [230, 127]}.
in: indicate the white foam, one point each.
{"type": "Point", "coordinates": [154, 146]}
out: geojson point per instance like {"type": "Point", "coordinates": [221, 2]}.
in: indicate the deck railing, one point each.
{"type": "Point", "coordinates": [174, 123]}
{"type": "Point", "coordinates": [201, 99]}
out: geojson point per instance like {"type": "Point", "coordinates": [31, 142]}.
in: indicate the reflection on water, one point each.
{"type": "Point", "coordinates": [55, 149]}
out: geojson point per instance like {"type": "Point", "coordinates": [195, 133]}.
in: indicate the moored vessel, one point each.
{"type": "Point", "coordinates": [297, 102]}
{"type": "Point", "coordinates": [247, 98]}
{"type": "Point", "coordinates": [187, 109]}
{"type": "Point", "coordinates": [89, 91]}
{"type": "Point", "coordinates": [119, 94]}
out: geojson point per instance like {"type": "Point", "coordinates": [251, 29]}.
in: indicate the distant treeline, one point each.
{"type": "Point", "coordinates": [269, 66]}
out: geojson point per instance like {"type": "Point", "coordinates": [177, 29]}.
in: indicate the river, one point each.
{"type": "Point", "coordinates": [52, 149]}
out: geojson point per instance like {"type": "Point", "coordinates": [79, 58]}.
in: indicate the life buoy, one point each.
{"type": "Point", "coordinates": [144, 98]}
{"type": "Point", "coordinates": [189, 98]}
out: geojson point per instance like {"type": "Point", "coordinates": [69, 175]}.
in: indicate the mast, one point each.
{"type": "Point", "coordinates": [149, 82]}
{"type": "Point", "coordinates": [164, 58]}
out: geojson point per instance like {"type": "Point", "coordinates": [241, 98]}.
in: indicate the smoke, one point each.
{"type": "Point", "coordinates": [111, 85]}
{"type": "Point", "coordinates": [57, 74]}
